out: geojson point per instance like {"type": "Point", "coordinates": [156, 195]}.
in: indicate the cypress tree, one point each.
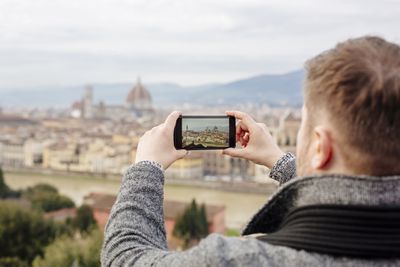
{"type": "Point", "coordinates": [4, 189]}
{"type": "Point", "coordinates": [192, 224]}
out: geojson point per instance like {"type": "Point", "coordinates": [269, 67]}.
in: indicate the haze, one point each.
{"type": "Point", "coordinates": [57, 42]}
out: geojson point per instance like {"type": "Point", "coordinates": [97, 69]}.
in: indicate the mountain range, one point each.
{"type": "Point", "coordinates": [276, 90]}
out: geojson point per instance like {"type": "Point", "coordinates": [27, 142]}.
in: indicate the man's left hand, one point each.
{"type": "Point", "coordinates": [157, 144]}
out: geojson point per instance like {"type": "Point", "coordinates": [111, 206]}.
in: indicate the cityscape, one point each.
{"type": "Point", "coordinates": [100, 139]}
{"type": "Point", "coordinates": [83, 150]}
{"type": "Point", "coordinates": [207, 133]}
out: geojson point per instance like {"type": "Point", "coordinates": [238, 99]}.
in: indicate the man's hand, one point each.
{"type": "Point", "coordinates": [256, 140]}
{"type": "Point", "coordinates": [157, 144]}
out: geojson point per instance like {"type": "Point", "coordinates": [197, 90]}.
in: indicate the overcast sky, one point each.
{"type": "Point", "coordinates": [204, 123]}
{"type": "Point", "coordinates": [71, 42]}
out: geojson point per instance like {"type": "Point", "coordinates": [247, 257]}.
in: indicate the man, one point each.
{"type": "Point", "coordinates": [343, 210]}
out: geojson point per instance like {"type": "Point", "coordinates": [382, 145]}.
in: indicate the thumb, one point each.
{"type": "Point", "coordinates": [234, 152]}
{"type": "Point", "coordinates": [181, 153]}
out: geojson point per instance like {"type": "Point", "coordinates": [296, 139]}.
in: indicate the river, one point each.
{"type": "Point", "coordinates": [239, 206]}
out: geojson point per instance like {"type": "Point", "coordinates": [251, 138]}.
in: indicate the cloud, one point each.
{"type": "Point", "coordinates": [52, 42]}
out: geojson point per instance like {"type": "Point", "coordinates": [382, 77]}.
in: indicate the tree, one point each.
{"type": "Point", "coordinates": [23, 233]}
{"type": "Point", "coordinates": [46, 198]}
{"type": "Point", "coordinates": [203, 221]}
{"type": "Point", "coordinates": [192, 224]}
{"type": "Point", "coordinates": [72, 251]}
{"type": "Point", "coordinates": [62, 253]}
{"type": "Point", "coordinates": [90, 254]}
{"type": "Point", "coordinates": [84, 220]}
{"type": "Point", "coordinates": [5, 191]}
{"type": "Point", "coordinates": [13, 262]}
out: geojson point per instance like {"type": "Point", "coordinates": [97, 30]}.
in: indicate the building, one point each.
{"type": "Point", "coordinates": [61, 156]}
{"type": "Point", "coordinates": [102, 204]}
{"type": "Point", "coordinates": [97, 155]}
{"type": "Point", "coordinates": [137, 106]}
{"type": "Point", "coordinates": [139, 100]}
{"type": "Point", "coordinates": [190, 167]}
{"type": "Point", "coordinates": [88, 103]}
{"type": "Point", "coordinates": [15, 121]}
{"type": "Point", "coordinates": [12, 153]}
{"type": "Point", "coordinates": [33, 150]}
{"type": "Point", "coordinates": [286, 135]}
{"type": "Point", "coordinates": [226, 167]}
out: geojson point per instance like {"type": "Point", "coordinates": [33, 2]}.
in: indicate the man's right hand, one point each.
{"type": "Point", "coordinates": [256, 141]}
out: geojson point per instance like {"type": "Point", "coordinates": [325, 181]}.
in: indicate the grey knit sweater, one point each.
{"type": "Point", "coordinates": [135, 234]}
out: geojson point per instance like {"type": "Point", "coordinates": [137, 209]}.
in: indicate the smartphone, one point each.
{"type": "Point", "coordinates": [205, 132]}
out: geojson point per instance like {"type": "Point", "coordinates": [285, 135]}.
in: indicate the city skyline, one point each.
{"type": "Point", "coordinates": [203, 124]}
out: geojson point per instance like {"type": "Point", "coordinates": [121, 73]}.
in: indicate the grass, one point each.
{"type": "Point", "coordinates": [232, 232]}
{"type": "Point", "coordinates": [57, 175]}
{"type": "Point", "coordinates": [80, 177]}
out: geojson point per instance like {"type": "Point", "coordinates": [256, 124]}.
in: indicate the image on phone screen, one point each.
{"type": "Point", "coordinates": [204, 132]}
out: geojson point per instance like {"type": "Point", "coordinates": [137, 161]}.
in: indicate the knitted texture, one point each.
{"type": "Point", "coordinates": [152, 163]}
{"type": "Point", "coordinates": [135, 233]}
{"type": "Point", "coordinates": [284, 169]}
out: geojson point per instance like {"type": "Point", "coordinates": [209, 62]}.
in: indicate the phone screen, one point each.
{"type": "Point", "coordinates": [205, 132]}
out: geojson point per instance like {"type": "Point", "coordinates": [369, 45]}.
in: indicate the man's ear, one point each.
{"type": "Point", "coordinates": [322, 148]}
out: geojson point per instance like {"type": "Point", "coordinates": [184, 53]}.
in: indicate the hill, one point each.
{"type": "Point", "coordinates": [283, 89]}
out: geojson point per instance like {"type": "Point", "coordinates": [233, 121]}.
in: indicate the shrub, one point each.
{"type": "Point", "coordinates": [23, 233]}
{"type": "Point", "coordinates": [46, 198]}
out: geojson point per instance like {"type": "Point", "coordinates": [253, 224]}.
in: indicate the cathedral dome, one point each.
{"type": "Point", "coordinates": [139, 97]}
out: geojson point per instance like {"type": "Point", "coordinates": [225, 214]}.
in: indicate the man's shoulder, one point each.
{"type": "Point", "coordinates": [250, 251]}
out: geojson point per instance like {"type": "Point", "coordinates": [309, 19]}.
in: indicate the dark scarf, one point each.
{"type": "Point", "coordinates": [351, 231]}
{"type": "Point", "coordinates": [340, 215]}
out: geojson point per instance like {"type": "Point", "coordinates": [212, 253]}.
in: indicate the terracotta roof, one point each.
{"type": "Point", "coordinates": [138, 93]}
{"type": "Point", "coordinates": [77, 105]}
{"type": "Point", "coordinates": [13, 119]}
{"type": "Point", "coordinates": [61, 214]}
{"type": "Point", "coordinates": [13, 142]}
{"type": "Point", "coordinates": [172, 209]}
{"type": "Point", "coordinates": [58, 146]}
{"type": "Point", "coordinates": [99, 201]}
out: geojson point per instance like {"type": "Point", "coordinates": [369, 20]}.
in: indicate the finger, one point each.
{"type": "Point", "coordinates": [241, 140]}
{"type": "Point", "coordinates": [181, 153]}
{"type": "Point", "coordinates": [240, 126]}
{"type": "Point", "coordinates": [170, 121]}
{"type": "Point", "coordinates": [234, 152]}
{"type": "Point", "coordinates": [239, 137]}
{"type": "Point", "coordinates": [246, 137]}
{"type": "Point", "coordinates": [239, 115]}
{"type": "Point", "coordinates": [241, 129]}
{"type": "Point", "coordinates": [248, 121]}
{"type": "Point", "coordinates": [244, 143]}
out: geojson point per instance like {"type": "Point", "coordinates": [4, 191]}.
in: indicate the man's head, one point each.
{"type": "Point", "coordinates": [351, 112]}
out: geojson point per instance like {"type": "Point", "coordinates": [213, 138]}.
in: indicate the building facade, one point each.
{"type": "Point", "coordinates": [137, 106]}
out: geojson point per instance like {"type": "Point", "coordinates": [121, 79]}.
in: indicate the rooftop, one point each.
{"type": "Point", "coordinates": [104, 202]}
{"type": "Point", "coordinates": [138, 93]}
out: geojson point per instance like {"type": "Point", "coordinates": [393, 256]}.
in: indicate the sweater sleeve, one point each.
{"type": "Point", "coordinates": [284, 169]}
{"type": "Point", "coordinates": [135, 233]}
{"type": "Point", "coordinates": [136, 221]}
